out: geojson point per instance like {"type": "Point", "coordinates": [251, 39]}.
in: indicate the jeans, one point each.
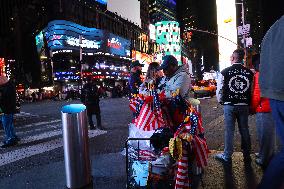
{"type": "Point", "coordinates": [90, 120]}
{"type": "Point", "coordinates": [266, 136]}
{"type": "Point", "coordinates": [274, 174]}
{"type": "Point", "coordinates": [231, 114]}
{"type": "Point", "coordinates": [7, 122]}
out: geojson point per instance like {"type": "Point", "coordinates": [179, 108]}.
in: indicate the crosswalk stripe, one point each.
{"type": "Point", "coordinates": [12, 156]}
{"type": "Point", "coordinates": [34, 125]}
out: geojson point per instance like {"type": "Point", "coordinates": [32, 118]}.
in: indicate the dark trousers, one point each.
{"type": "Point", "coordinates": [98, 117]}
{"type": "Point", "coordinates": [274, 174]}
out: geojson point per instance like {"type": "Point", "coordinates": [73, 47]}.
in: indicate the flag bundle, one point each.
{"type": "Point", "coordinates": [150, 116]}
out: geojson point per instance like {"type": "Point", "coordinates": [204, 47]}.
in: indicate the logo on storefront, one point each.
{"type": "Point", "coordinates": [113, 43]}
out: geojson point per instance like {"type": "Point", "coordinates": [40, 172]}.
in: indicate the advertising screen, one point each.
{"type": "Point", "coordinates": [65, 35]}
{"type": "Point", "coordinates": [102, 1]}
{"type": "Point", "coordinates": [118, 45]}
{"type": "Point", "coordinates": [168, 37]}
{"type": "Point", "coordinates": [143, 58]}
{"type": "Point", "coordinates": [227, 31]}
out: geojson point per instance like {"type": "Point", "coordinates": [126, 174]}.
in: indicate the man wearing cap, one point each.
{"type": "Point", "coordinates": [177, 77]}
{"type": "Point", "coordinates": [8, 107]}
{"type": "Point", "coordinates": [135, 77]}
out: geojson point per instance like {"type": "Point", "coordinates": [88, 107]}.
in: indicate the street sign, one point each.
{"type": "Point", "coordinates": [248, 41]}
{"type": "Point", "coordinates": [243, 30]}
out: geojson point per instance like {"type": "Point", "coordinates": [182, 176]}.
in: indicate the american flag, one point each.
{"type": "Point", "coordinates": [199, 143]}
{"type": "Point", "coordinates": [150, 117]}
{"type": "Point", "coordinates": [182, 175]}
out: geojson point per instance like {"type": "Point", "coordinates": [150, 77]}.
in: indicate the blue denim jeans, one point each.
{"type": "Point", "coordinates": [266, 136]}
{"type": "Point", "coordinates": [274, 174]}
{"type": "Point", "coordinates": [231, 114]}
{"type": "Point", "coordinates": [8, 125]}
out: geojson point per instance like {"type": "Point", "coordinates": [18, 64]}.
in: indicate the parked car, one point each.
{"type": "Point", "coordinates": [204, 88]}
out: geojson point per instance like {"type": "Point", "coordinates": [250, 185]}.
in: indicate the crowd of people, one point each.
{"type": "Point", "coordinates": [243, 93]}
{"type": "Point", "coordinates": [165, 98]}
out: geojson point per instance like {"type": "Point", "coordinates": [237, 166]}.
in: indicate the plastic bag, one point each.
{"type": "Point", "coordinates": [140, 172]}
{"type": "Point", "coordinates": [134, 132]}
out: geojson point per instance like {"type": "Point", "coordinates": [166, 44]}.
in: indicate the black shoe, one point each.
{"type": "Point", "coordinates": [17, 139]}
{"type": "Point", "coordinates": [247, 158]}
{"type": "Point", "coordinates": [101, 128]}
{"type": "Point", "coordinates": [6, 145]}
{"type": "Point", "coordinates": [92, 128]}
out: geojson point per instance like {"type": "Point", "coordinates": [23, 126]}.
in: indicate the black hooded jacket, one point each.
{"type": "Point", "coordinates": [8, 98]}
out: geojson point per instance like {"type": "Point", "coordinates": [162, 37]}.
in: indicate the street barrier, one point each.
{"type": "Point", "coordinates": [76, 146]}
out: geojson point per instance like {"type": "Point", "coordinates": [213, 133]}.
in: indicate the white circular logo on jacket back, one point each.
{"type": "Point", "coordinates": [239, 84]}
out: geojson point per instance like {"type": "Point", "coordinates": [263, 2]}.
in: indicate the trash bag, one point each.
{"type": "Point", "coordinates": [161, 138]}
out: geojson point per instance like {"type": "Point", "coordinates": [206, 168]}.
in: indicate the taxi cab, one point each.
{"type": "Point", "coordinates": [204, 88]}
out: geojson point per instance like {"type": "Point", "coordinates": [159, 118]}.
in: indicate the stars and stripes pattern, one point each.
{"type": "Point", "coordinates": [150, 117]}
{"type": "Point", "coordinates": [182, 175]}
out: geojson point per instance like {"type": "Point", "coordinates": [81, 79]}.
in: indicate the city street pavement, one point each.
{"type": "Point", "coordinates": [38, 160]}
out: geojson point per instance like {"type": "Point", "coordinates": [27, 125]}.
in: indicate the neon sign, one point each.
{"type": "Point", "coordinates": [114, 43]}
{"type": "Point", "coordinates": [89, 44]}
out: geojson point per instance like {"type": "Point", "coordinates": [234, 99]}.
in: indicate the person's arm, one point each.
{"type": "Point", "coordinates": [179, 82]}
{"type": "Point", "coordinates": [255, 98]}
{"type": "Point", "coordinates": [219, 90]}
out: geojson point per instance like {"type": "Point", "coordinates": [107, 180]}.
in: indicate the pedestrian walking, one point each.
{"type": "Point", "coordinates": [234, 92]}
{"type": "Point", "coordinates": [8, 109]}
{"type": "Point", "coordinates": [271, 79]}
{"type": "Point", "coordinates": [90, 97]}
{"type": "Point", "coordinates": [264, 121]}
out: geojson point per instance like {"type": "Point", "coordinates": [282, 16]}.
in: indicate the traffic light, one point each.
{"type": "Point", "coordinates": [189, 34]}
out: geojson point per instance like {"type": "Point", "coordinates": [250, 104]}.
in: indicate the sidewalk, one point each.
{"type": "Point", "coordinates": [108, 171]}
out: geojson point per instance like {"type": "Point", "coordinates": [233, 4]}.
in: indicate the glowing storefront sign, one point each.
{"type": "Point", "coordinates": [102, 1]}
{"type": "Point", "coordinates": [89, 44]}
{"type": "Point", "coordinates": [227, 28]}
{"type": "Point", "coordinates": [113, 43]}
{"type": "Point", "coordinates": [2, 66]}
{"type": "Point", "coordinates": [64, 36]}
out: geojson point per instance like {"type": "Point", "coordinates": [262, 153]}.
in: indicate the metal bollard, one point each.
{"type": "Point", "coordinates": [76, 146]}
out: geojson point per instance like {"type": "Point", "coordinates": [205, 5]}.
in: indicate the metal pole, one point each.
{"type": "Point", "coordinates": [244, 37]}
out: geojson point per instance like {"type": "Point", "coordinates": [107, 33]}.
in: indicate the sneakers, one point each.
{"type": "Point", "coordinates": [259, 162]}
{"type": "Point", "coordinates": [221, 157]}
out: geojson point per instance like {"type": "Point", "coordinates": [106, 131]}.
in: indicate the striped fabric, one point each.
{"type": "Point", "coordinates": [149, 119]}
{"type": "Point", "coordinates": [182, 175]}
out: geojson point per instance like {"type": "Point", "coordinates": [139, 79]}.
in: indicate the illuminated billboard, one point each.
{"type": "Point", "coordinates": [64, 36]}
{"type": "Point", "coordinates": [104, 2]}
{"type": "Point", "coordinates": [2, 66]}
{"type": "Point", "coordinates": [168, 37]}
{"type": "Point", "coordinates": [61, 34]}
{"type": "Point", "coordinates": [227, 29]}
{"type": "Point", "coordinates": [118, 45]}
{"type": "Point", "coordinates": [143, 58]}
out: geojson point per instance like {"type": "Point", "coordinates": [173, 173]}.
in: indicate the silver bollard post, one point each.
{"type": "Point", "coordinates": [76, 146]}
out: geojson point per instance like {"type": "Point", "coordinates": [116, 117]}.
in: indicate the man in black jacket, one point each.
{"type": "Point", "coordinates": [8, 107]}
{"type": "Point", "coordinates": [90, 97]}
{"type": "Point", "coordinates": [234, 92]}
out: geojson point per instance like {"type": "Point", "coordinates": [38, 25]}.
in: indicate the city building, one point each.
{"type": "Point", "coordinates": [162, 10]}
{"type": "Point", "coordinates": [38, 63]}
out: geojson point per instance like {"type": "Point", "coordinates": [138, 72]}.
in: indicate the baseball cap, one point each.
{"type": "Point", "coordinates": [136, 63]}
{"type": "Point", "coordinates": [168, 60]}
